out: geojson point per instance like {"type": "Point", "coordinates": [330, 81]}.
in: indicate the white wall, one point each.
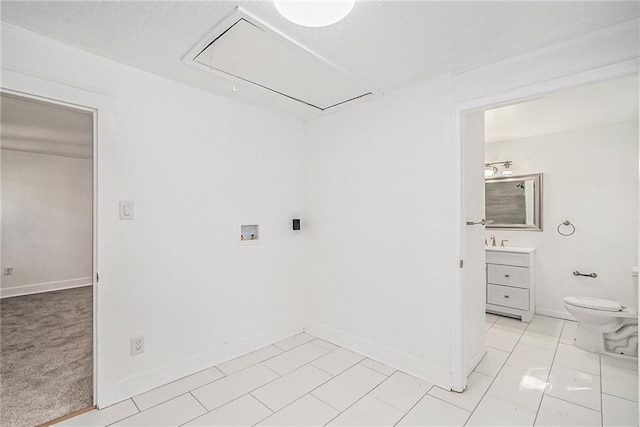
{"type": "Point", "coordinates": [590, 178]}
{"type": "Point", "coordinates": [47, 213]}
{"type": "Point", "coordinates": [382, 212]}
{"type": "Point", "coordinates": [196, 165]}
{"type": "Point", "coordinates": [379, 250]}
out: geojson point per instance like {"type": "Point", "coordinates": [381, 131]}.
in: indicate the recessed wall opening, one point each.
{"type": "Point", "coordinates": [249, 233]}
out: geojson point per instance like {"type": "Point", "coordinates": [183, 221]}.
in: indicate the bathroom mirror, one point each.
{"type": "Point", "coordinates": [514, 202]}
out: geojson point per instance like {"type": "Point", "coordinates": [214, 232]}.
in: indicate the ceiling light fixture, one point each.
{"type": "Point", "coordinates": [490, 170]}
{"type": "Point", "coordinates": [314, 13]}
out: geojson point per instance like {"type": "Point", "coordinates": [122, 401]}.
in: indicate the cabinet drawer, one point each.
{"type": "Point", "coordinates": [508, 297]}
{"type": "Point", "coordinates": [508, 275]}
{"type": "Point", "coordinates": [508, 258]}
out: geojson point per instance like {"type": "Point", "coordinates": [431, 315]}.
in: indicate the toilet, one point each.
{"type": "Point", "coordinates": [604, 326]}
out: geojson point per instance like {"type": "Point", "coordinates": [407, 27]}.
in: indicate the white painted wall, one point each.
{"type": "Point", "coordinates": [382, 211]}
{"type": "Point", "coordinates": [590, 178]}
{"type": "Point", "coordinates": [380, 249]}
{"type": "Point", "coordinates": [47, 212]}
{"type": "Point", "coordinates": [196, 165]}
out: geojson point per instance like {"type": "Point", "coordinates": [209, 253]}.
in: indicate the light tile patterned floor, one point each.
{"type": "Point", "coordinates": [531, 375]}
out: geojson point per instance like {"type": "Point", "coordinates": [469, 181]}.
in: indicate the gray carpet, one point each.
{"type": "Point", "coordinates": [46, 356]}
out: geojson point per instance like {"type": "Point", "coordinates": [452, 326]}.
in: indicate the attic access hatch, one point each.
{"type": "Point", "coordinates": [245, 50]}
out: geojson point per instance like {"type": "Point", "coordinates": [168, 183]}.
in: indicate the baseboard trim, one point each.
{"type": "Point", "coordinates": [560, 314]}
{"type": "Point", "coordinates": [17, 291]}
{"type": "Point", "coordinates": [136, 384]}
{"type": "Point", "coordinates": [476, 359]}
{"type": "Point", "coordinates": [398, 360]}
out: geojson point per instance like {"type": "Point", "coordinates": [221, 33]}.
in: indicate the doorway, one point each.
{"type": "Point", "coordinates": [467, 348]}
{"type": "Point", "coordinates": [48, 258]}
{"type": "Point", "coordinates": [551, 228]}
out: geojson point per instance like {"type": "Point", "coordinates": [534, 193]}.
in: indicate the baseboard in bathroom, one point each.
{"type": "Point", "coordinates": [560, 314]}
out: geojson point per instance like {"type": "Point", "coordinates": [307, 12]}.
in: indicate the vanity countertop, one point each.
{"type": "Point", "coordinates": [509, 249]}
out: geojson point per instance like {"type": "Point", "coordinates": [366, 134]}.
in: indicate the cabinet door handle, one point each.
{"type": "Point", "coordinates": [506, 296]}
{"type": "Point", "coordinates": [506, 275]}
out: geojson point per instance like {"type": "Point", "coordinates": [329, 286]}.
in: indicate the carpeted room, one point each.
{"type": "Point", "coordinates": [46, 311]}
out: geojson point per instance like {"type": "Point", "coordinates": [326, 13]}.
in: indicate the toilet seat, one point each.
{"type": "Point", "coordinates": [594, 303]}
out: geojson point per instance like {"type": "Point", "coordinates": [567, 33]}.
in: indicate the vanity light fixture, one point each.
{"type": "Point", "coordinates": [314, 13]}
{"type": "Point", "coordinates": [490, 170]}
{"type": "Point", "coordinates": [507, 169]}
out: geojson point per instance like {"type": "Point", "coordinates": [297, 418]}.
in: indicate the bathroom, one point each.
{"type": "Point", "coordinates": [573, 172]}
{"type": "Point", "coordinates": [561, 208]}
{"type": "Point", "coordinates": [583, 153]}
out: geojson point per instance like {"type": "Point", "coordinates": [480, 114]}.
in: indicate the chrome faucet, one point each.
{"type": "Point", "coordinates": [493, 241]}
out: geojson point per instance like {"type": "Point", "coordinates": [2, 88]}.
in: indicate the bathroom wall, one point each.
{"type": "Point", "coordinates": [197, 166]}
{"type": "Point", "coordinates": [47, 214]}
{"type": "Point", "coordinates": [590, 178]}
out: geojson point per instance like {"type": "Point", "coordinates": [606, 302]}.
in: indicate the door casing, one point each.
{"type": "Point", "coordinates": [102, 106]}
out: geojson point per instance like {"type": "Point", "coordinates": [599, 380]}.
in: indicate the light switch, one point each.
{"type": "Point", "coordinates": [126, 210]}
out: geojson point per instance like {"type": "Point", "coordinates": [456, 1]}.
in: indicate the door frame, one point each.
{"type": "Point", "coordinates": [101, 106]}
{"type": "Point", "coordinates": [94, 213]}
{"type": "Point", "coordinates": [490, 101]}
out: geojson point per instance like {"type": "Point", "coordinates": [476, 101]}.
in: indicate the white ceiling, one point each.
{"type": "Point", "coordinates": [45, 128]}
{"type": "Point", "coordinates": [387, 45]}
{"type": "Point", "coordinates": [582, 107]}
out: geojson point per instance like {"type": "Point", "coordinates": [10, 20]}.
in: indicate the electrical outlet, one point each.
{"type": "Point", "coordinates": [8, 271]}
{"type": "Point", "coordinates": [137, 345]}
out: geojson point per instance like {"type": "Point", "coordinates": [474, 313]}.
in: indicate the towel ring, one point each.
{"type": "Point", "coordinates": [566, 223]}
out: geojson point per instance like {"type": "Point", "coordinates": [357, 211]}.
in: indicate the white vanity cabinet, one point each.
{"type": "Point", "coordinates": [511, 285]}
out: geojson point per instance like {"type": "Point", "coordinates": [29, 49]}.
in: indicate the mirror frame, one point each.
{"type": "Point", "coordinates": [537, 203]}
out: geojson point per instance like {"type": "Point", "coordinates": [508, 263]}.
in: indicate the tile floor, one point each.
{"type": "Point", "coordinates": [531, 375]}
